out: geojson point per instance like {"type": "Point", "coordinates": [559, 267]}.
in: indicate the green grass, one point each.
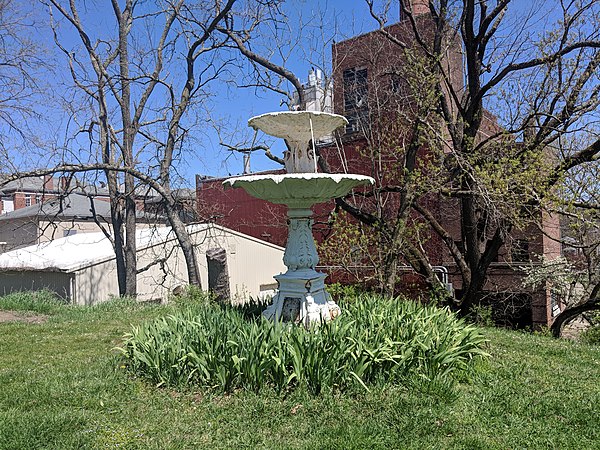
{"type": "Point", "coordinates": [62, 386]}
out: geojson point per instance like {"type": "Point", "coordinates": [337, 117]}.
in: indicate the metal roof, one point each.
{"type": "Point", "coordinates": [40, 185]}
{"type": "Point", "coordinates": [77, 251]}
{"type": "Point", "coordinates": [72, 206]}
{"type": "Point", "coordinates": [74, 252]}
{"type": "Point", "coordinates": [25, 184]}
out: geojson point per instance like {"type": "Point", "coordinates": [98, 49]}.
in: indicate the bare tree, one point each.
{"type": "Point", "coordinates": [138, 93]}
{"type": "Point", "coordinates": [541, 87]}
{"type": "Point", "coordinates": [23, 63]}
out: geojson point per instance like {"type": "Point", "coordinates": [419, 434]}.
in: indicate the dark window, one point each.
{"type": "Point", "coordinates": [520, 251]}
{"type": "Point", "coordinates": [355, 99]}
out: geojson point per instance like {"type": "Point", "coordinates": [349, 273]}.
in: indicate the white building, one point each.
{"type": "Point", "coordinates": [82, 268]}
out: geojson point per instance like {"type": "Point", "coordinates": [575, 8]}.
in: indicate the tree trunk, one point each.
{"type": "Point", "coordinates": [187, 246]}
{"type": "Point", "coordinates": [570, 313]}
{"type": "Point", "coordinates": [472, 292]}
{"type": "Point", "coordinates": [130, 238]}
{"type": "Point", "coordinates": [129, 133]}
{"type": "Point", "coordinates": [118, 243]}
{"type": "Point", "coordinates": [389, 275]}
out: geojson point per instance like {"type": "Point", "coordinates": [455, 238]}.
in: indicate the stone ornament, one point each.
{"type": "Point", "coordinates": [299, 129]}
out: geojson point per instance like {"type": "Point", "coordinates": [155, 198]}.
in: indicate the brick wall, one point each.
{"type": "Point", "coordinates": [19, 200]}
{"type": "Point", "coordinates": [235, 209]}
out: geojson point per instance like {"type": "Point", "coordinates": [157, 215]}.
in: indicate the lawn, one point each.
{"type": "Point", "coordinates": [63, 386]}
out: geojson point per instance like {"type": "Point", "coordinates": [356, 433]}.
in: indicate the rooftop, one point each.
{"type": "Point", "coordinates": [72, 206]}
{"type": "Point", "coordinates": [52, 185]}
{"type": "Point", "coordinates": [80, 250]}
{"type": "Point", "coordinates": [76, 251]}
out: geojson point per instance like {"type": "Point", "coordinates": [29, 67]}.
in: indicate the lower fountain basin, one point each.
{"type": "Point", "coordinates": [298, 190]}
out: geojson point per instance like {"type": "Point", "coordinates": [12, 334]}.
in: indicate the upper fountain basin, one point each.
{"type": "Point", "coordinates": [296, 125]}
{"type": "Point", "coordinates": [298, 190]}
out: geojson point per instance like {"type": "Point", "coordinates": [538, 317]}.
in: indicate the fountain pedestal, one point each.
{"type": "Point", "coordinates": [301, 295]}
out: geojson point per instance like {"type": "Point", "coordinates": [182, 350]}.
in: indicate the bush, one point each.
{"type": "Point", "coordinates": [375, 340]}
{"type": "Point", "coordinates": [345, 292]}
{"type": "Point", "coordinates": [482, 315]}
{"type": "Point", "coordinates": [42, 302]}
{"type": "Point", "coordinates": [591, 335]}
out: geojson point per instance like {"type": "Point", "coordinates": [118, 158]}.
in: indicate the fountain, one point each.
{"type": "Point", "coordinates": [301, 295]}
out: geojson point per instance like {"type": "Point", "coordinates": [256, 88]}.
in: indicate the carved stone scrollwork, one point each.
{"type": "Point", "coordinates": [300, 252]}
{"type": "Point", "coordinates": [300, 159]}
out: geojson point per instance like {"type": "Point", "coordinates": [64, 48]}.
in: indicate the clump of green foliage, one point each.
{"type": "Point", "coordinates": [42, 302]}
{"type": "Point", "coordinates": [591, 335]}
{"type": "Point", "coordinates": [375, 341]}
{"type": "Point", "coordinates": [345, 292]}
{"type": "Point", "coordinates": [482, 315]}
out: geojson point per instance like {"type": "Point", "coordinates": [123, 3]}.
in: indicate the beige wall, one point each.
{"type": "Point", "coordinates": [50, 230]}
{"type": "Point", "coordinates": [96, 284]}
{"type": "Point", "coordinates": [251, 264]}
{"type": "Point", "coordinates": [23, 232]}
{"type": "Point", "coordinates": [162, 277]}
{"type": "Point", "coordinates": [18, 233]}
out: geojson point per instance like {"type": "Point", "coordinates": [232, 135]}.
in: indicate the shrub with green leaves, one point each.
{"type": "Point", "coordinates": [591, 335]}
{"type": "Point", "coordinates": [375, 340]}
{"type": "Point", "coordinates": [43, 302]}
{"type": "Point", "coordinates": [345, 292]}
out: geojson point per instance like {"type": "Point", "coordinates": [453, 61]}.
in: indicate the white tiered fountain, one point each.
{"type": "Point", "coordinates": [301, 295]}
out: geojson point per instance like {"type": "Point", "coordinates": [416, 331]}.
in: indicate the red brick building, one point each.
{"type": "Point", "coordinates": [237, 210]}
{"type": "Point", "coordinates": [26, 192]}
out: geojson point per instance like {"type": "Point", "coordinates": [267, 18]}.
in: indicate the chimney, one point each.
{"type": "Point", "coordinates": [64, 183]}
{"type": "Point", "coordinates": [246, 163]}
{"type": "Point", "coordinates": [416, 7]}
{"type": "Point", "coordinates": [48, 182]}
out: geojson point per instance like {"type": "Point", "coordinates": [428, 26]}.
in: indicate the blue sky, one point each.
{"type": "Point", "coordinates": [343, 19]}
{"type": "Point", "coordinates": [230, 107]}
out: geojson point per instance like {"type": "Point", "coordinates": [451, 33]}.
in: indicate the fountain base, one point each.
{"type": "Point", "coordinates": [302, 298]}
